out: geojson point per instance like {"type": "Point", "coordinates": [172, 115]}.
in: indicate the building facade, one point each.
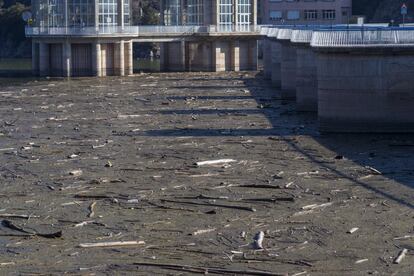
{"type": "Point", "coordinates": [95, 37]}
{"type": "Point", "coordinates": [209, 12]}
{"type": "Point", "coordinates": [67, 41]}
{"type": "Point", "coordinates": [325, 12]}
{"type": "Point", "coordinates": [227, 50]}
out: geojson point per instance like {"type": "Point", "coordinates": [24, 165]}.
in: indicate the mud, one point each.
{"type": "Point", "coordinates": [126, 148]}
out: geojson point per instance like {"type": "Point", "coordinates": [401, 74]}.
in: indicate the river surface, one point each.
{"type": "Point", "coordinates": [21, 65]}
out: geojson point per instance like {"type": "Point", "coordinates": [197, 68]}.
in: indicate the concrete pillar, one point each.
{"type": "Point", "coordinates": [366, 90]}
{"type": "Point", "coordinates": [43, 59]}
{"type": "Point", "coordinates": [222, 56]}
{"type": "Point", "coordinates": [183, 55]}
{"type": "Point", "coordinates": [306, 79]}
{"type": "Point", "coordinates": [119, 58]}
{"type": "Point", "coordinates": [129, 59]}
{"type": "Point", "coordinates": [235, 57]}
{"type": "Point", "coordinates": [267, 59]}
{"type": "Point", "coordinates": [276, 63]}
{"type": "Point", "coordinates": [96, 59]}
{"type": "Point", "coordinates": [35, 58]}
{"type": "Point", "coordinates": [67, 60]}
{"type": "Point", "coordinates": [288, 71]}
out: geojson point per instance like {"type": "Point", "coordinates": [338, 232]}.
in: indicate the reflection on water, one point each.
{"type": "Point", "coordinates": [15, 64]}
{"type": "Point", "coordinates": [146, 65]}
{"type": "Point", "coordinates": [10, 66]}
{"type": "Point", "coordinates": [15, 67]}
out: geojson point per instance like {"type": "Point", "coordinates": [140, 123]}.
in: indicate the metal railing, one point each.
{"type": "Point", "coordinates": [140, 30]}
{"type": "Point", "coordinates": [364, 37]}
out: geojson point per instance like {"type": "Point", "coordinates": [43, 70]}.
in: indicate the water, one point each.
{"type": "Point", "coordinates": [146, 65]}
{"type": "Point", "coordinates": [15, 64]}
{"type": "Point", "coordinates": [23, 66]}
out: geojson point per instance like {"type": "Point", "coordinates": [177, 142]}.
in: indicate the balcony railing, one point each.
{"type": "Point", "coordinates": [149, 31]}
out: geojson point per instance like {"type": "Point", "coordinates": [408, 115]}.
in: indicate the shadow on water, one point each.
{"type": "Point", "coordinates": [392, 155]}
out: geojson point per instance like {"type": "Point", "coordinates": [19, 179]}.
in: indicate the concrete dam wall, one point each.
{"type": "Point", "coordinates": [358, 79]}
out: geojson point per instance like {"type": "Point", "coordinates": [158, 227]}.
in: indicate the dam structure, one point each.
{"type": "Point", "coordinates": [95, 37]}
{"type": "Point", "coordinates": [357, 78]}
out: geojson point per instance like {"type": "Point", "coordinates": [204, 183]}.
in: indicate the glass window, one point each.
{"type": "Point", "coordinates": [172, 12]}
{"type": "Point", "coordinates": [195, 12]}
{"type": "Point", "coordinates": [81, 13]}
{"type": "Point", "coordinates": [226, 13]}
{"type": "Point", "coordinates": [243, 12]}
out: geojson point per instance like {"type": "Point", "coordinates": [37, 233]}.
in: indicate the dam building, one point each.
{"type": "Point", "coordinates": [95, 37]}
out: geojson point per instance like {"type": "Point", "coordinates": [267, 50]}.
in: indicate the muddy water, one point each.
{"type": "Point", "coordinates": [136, 140]}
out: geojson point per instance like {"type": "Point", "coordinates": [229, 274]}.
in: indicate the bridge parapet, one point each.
{"type": "Point", "coordinates": [367, 37]}
{"type": "Point", "coordinates": [142, 31]}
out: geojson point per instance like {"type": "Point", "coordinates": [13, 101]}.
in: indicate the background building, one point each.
{"type": "Point", "coordinates": [95, 37]}
{"type": "Point", "coordinates": [233, 46]}
{"type": "Point", "coordinates": [306, 11]}
{"type": "Point", "coordinates": [209, 12]}
{"type": "Point", "coordinates": [67, 41]}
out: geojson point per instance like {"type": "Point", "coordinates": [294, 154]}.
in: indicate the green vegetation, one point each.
{"type": "Point", "coordinates": [13, 42]}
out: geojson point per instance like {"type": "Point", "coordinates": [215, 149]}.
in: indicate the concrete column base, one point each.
{"type": "Point", "coordinates": [67, 60]}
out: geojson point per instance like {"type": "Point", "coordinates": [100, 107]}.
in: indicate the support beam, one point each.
{"type": "Point", "coordinates": [235, 57]}
{"type": "Point", "coordinates": [129, 60]}
{"type": "Point", "coordinates": [119, 58]}
{"type": "Point", "coordinates": [183, 55]}
{"type": "Point", "coordinates": [67, 60]}
{"type": "Point", "coordinates": [96, 59]}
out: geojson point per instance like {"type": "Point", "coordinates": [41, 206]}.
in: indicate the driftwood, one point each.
{"type": "Point", "coordinates": [9, 224]}
{"type": "Point", "coordinates": [271, 199]}
{"type": "Point", "coordinates": [214, 270]}
{"type": "Point", "coordinates": [91, 209]}
{"type": "Point", "coordinates": [401, 256]}
{"type": "Point", "coordinates": [17, 216]}
{"type": "Point", "coordinates": [214, 162]}
{"type": "Point", "coordinates": [259, 186]}
{"type": "Point", "coordinates": [212, 205]}
{"type": "Point", "coordinates": [111, 244]}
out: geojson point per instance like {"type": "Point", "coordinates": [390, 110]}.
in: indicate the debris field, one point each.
{"type": "Point", "coordinates": [194, 173]}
